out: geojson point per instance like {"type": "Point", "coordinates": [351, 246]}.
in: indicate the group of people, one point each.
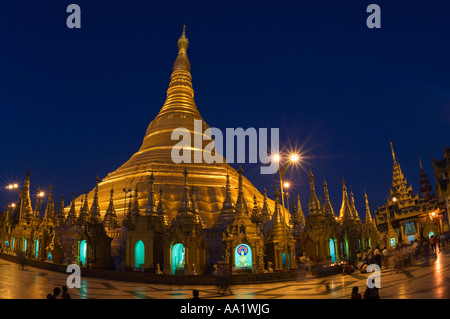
{"type": "Point", "coordinates": [59, 293]}
{"type": "Point", "coordinates": [370, 293]}
{"type": "Point", "coordinates": [371, 256]}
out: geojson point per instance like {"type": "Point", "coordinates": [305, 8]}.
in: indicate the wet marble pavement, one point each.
{"type": "Point", "coordinates": [418, 282]}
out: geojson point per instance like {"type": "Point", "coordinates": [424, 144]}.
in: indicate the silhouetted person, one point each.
{"type": "Point", "coordinates": [65, 294]}
{"type": "Point", "coordinates": [371, 293]}
{"type": "Point", "coordinates": [355, 293]}
{"type": "Point", "coordinates": [56, 292]}
{"type": "Point", "coordinates": [22, 261]}
{"type": "Point", "coordinates": [196, 294]}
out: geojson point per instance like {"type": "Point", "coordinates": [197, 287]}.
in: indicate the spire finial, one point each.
{"type": "Point", "coordinates": [420, 163]}
{"type": "Point", "coordinates": [392, 149]}
{"type": "Point", "coordinates": [183, 42]}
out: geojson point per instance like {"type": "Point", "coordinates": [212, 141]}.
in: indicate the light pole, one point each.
{"type": "Point", "coordinates": [292, 159]}
{"type": "Point", "coordinates": [126, 191]}
{"type": "Point", "coordinates": [15, 187]}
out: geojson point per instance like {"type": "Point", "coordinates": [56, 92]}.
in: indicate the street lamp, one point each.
{"type": "Point", "coordinates": [286, 185]}
{"type": "Point", "coordinates": [39, 196]}
{"type": "Point", "coordinates": [282, 167]}
{"type": "Point", "coordinates": [15, 187]}
{"type": "Point", "coordinates": [126, 191]}
{"type": "Point", "coordinates": [292, 158]}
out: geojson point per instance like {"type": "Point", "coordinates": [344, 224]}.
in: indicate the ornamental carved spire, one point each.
{"type": "Point", "coordinates": [327, 208]}
{"type": "Point", "coordinates": [151, 204]}
{"type": "Point", "coordinates": [301, 215]}
{"type": "Point", "coordinates": [369, 219]}
{"type": "Point", "coordinates": [426, 191]}
{"type": "Point", "coordinates": [241, 206]}
{"type": "Point", "coordinates": [346, 211]}
{"type": "Point", "coordinates": [110, 218]}
{"type": "Point", "coordinates": [82, 217]}
{"type": "Point", "coordinates": [72, 215]}
{"type": "Point", "coordinates": [266, 214]}
{"type": "Point", "coordinates": [353, 208]}
{"type": "Point", "coordinates": [160, 210]}
{"type": "Point", "coordinates": [95, 208]}
{"type": "Point", "coordinates": [185, 204]}
{"type": "Point", "coordinates": [314, 204]}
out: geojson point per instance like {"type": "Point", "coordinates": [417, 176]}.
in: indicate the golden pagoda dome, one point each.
{"type": "Point", "coordinates": [154, 156]}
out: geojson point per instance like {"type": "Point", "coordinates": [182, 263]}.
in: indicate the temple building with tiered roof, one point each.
{"type": "Point", "coordinates": [406, 216]}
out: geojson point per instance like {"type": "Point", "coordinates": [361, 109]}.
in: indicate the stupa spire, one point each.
{"type": "Point", "coordinates": [241, 206]}
{"type": "Point", "coordinates": [393, 153]}
{"type": "Point", "coordinates": [353, 207]}
{"type": "Point", "coordinates": [135, 212]}
{"type": "Point", "coordinates": [49, 210]}
{"type": "Point", "coordinates": [346, 212]}
{"type": "Point", "coordinates": [186, 204]}
{"type": "Point", "coordinates": [151, 204]}
{"type": "Point", "coordinates": [369, 219]}
{"type": "Point", "coordinates": [314, 204]}
{"type": "Point", "coordinates": [160, 210]}
{"type": "Point", "coordinates": [72, 215]}
{"type": "Point", "coordinates": [95, 208]}
{"type": "Point", "coordinates": [60, 217]}
{"type": "Point", "coordinates": [426, 190]}
{"type": "Point", "coordinates": [24, 204]}
{"type": "Point", "coordinates": [110, 218]}
{"type": "Point", "coordinates": [265, 212]}
{"type": "Point", "coordinates": [327, 208]}
{"type": "Point", "coordinates": [82, 217]}
{"type": "Point", "coordinates": [301, 216]}
{"type": "Point", "coordinates": [400, 189]}
{"type": "Point", "coordinates": [277, 214]}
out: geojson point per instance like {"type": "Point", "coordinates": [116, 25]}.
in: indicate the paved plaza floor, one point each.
{"type": "Point", "coordinates": [417, 282]}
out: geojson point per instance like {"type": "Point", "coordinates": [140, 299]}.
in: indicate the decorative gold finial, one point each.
{"type": "Point", "coordinates": [182, 62]}
{"type": "Point", "coordinates": [392, 149]}
{"type": "Point", "coordinates": [183, 42]}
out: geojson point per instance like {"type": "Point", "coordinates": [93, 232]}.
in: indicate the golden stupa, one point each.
{"type": "Point", "coordinates": [208, 180]}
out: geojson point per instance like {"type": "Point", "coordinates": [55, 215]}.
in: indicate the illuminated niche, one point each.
{"type": "Point", "coordinates": [83, 250]}
{"type": "Point", "coordinates": [178, 257]}
{"type": "Point", "coordinates": [139, 254]}
{"type": "Point", "coordinates": [243, 257]}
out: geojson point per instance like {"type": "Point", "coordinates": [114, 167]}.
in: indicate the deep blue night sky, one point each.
{"type": "Point", "coordinates": [76, 102]}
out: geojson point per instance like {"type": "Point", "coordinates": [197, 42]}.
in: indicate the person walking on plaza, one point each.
{"type": "Point", "coordinates": [369, 255]}
{"type": "Point", "coordinates": [22, 260]}
{"type": "Point", "coordinates": [433, 244]}
{"type": "Point", "coordinates": [415, 246]}
{"type": "Point", "coordinates": [438, 239]}
{"type": "Point", "coordinates": [443, 240]}
{"type": "Point", "coordinates": [377, 256]}
{"type": "Point", "coordinates": [386, 258]}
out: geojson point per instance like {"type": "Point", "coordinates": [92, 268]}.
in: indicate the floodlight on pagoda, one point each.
{"type": "Point", "coordinates": [41, 194]}
{"type": "Point", "coordinates": [13, 205]}
{"type": "Point", "coordinates": [286, 185]}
